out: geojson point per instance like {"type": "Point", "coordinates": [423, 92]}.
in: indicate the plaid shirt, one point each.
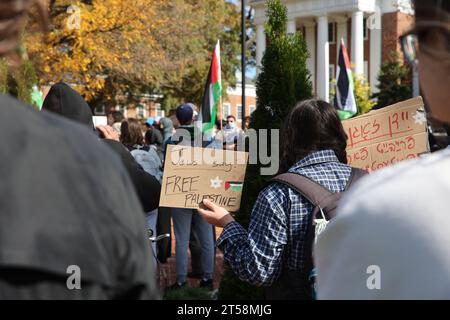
{"type": "Point", "coordinates": [256, 256]}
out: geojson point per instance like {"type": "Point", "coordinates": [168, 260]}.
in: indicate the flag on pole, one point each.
{"type": "Point", "coordinates": [212, 94]}
{"type": "Point", "coordinates": [344, 100]}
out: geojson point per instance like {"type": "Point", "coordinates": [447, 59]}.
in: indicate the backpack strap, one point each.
{"type": "Point", "coordinates": [308, 188]}
{"type": "Point", "coordinates": [311, 190]}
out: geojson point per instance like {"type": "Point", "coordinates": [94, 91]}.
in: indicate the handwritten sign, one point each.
{"type": "Point", "coordinates": [386, 136]}
{"type": "Point", "coordinates": [192, 174]}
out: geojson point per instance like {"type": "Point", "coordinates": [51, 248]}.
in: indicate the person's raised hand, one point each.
{"type": "Point", "coordinates": [215, 215]}
{"type": "Point", "coordinates": [108, 132]}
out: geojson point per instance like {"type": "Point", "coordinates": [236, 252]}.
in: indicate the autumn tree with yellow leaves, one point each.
{"type": "Point", "coordinates": [100, 47]}
{"type": "Point", "coordinates": [110, 47]}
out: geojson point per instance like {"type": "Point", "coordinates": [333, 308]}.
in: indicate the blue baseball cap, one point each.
{"type": "Point", "coordinates": [184, 112]}
{"type": "Point", "coordinates": [150, 121]}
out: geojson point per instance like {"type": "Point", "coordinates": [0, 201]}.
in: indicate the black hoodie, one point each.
{"type": "Point", "coordinates": [65, 101]}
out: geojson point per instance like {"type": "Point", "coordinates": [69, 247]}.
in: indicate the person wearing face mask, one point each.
{"type": "Point", "coordinates": [391, 236]}
{"type": "Point", "coordinates": [231, 133]}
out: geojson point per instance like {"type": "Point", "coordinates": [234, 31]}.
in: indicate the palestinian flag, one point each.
{"type": "Point", "coordinates": [233, 185]}
{"type": "Point", "coordinates": [344, 100]}
{"type": "Point", "coordinates": [213, 93]}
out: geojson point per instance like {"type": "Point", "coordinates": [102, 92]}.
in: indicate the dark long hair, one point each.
{"type": "Point", "coordinates": [131, 133]}
{"type": "Point", "coordinates": [310, 126]}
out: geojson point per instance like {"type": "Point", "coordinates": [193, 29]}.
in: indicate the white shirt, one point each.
{"type": "Point", "coordinates": [231, 134]}
{"type": "Point", "coordinates": [393, 226]}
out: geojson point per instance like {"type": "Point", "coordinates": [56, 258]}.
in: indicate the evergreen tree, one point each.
{"type": "Point", "coordinates": [394, 82]}
{"type": "Point", "coordinates": [20, 80]}
{"type": "Point", "coordinates": [282, 82]}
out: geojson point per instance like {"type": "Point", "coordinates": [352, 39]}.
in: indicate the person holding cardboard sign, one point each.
{"type": "Point", "coordinates": [391, 237]}
{"type": "Point", "coordinates": [274, 252]}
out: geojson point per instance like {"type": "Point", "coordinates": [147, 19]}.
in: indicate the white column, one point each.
{"type": "Point", "coordinates": [341, 34]}
{"type": "Point", "coordinates": [375, 58]}
{"type": "Point", "coordinates": [323, 59]}
{"type": "Point", "coordinates": [310, 38]}
{"type": "Point", "coordinates": [358, 42]}
{"type": "Point", "coordinates": [260, 44]}
{"type": "Point", "coordinates": [291, 27]}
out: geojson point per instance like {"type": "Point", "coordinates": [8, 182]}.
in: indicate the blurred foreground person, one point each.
{"type": "Point", "coordinates": [391, 238]}
{"type": "Point", "coordinates": [69, 226]}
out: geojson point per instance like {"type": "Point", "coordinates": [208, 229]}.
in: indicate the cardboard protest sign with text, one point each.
{"type": "Point", "coordinates": [386, 136]}
{"type": "Point", "coordinates": [192, 174]}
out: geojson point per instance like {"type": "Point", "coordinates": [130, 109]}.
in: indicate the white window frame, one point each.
{"type": "Point", "coordinates": [238, 110]}
{"type": "Point", "coordinates": [100, 111]}
{"type": "Point", "coordinates": [226, 110]}
{"type": "Point", "coordinates": [138, 111]}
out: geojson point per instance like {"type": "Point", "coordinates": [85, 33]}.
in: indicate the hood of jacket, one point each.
{"type": "Point", "coordinates": [168, 125]}
{"type": "Point", "coordinates": [65, 101]}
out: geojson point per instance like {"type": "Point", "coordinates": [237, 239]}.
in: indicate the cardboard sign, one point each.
{"type": "Point", "coordinates": [192, 174]}
{"type": "Point", "coordinates": [386, 136]}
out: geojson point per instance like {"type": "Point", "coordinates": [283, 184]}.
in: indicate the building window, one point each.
{"type": "Point", "coordinates": [100, 110]}
{"type": "Point", "coordinates": [251, 109]}
{"type": "Point", "coordinates": [140, 111]}
{"type": "Point", "coordinates": [159, 111]}
{"type": "Point", "coordinates": [332, 77]}
{"type": "Point", "coordinates": [331, 32]}
{"type": "Point", "coordinates": [226, 110]}
{"type": "Point", "coordinates": [365, 29]}
{"type": "Point", "coordinates": [239, 112]}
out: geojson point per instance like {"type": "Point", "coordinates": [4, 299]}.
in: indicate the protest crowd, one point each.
{"type": "Point", "coordinates": [75, 194]}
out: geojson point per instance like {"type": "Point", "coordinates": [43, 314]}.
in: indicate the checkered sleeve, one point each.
{"type": "Point", "coordinates": [256, 256]}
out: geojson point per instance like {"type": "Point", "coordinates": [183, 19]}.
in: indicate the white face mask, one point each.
{"type": "Point", "coordinates": [232, 125]}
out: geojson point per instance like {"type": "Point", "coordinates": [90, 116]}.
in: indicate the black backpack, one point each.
{"type": "Point", "coordinates": [325, 202]}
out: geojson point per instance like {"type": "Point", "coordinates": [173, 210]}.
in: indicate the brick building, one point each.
{"type": "Point", "coordinates": [370, 29]}
{"type": "Point", "coordinates": [146, 106]}
{"type": "Point", "coordinates": [232, 101]}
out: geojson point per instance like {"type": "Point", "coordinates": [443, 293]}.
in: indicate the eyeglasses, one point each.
{"type": "Point", "coordinates": [430, 37]}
